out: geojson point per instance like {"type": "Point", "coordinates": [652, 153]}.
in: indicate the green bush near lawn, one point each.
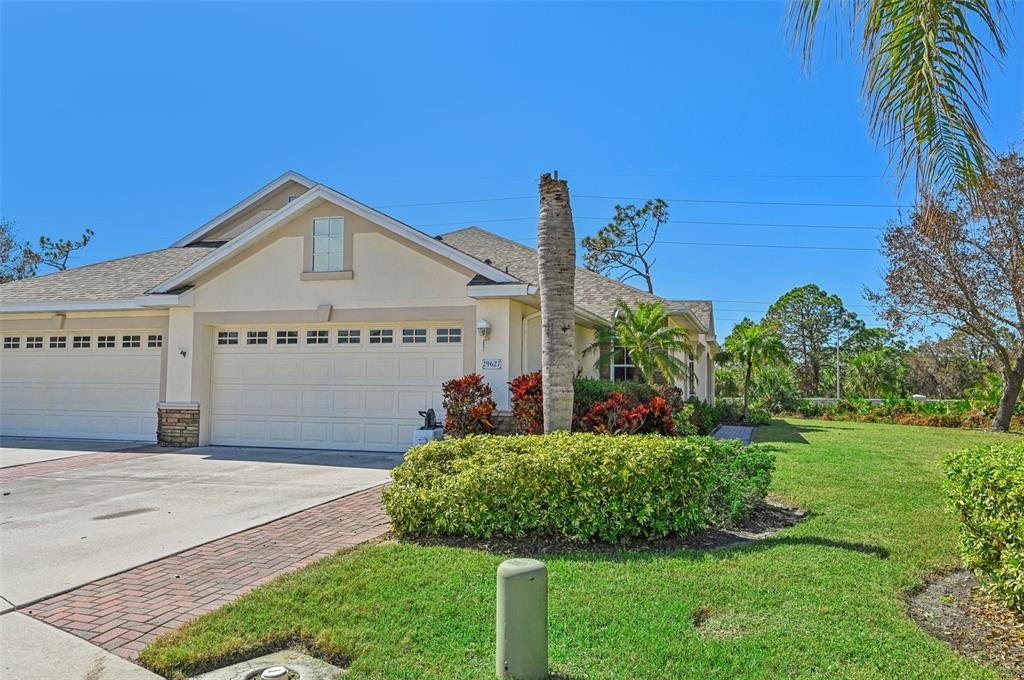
{"type": "Point", "coordinates": [580, 486]}
{"type": "Point", "coordinates": [986, 488]}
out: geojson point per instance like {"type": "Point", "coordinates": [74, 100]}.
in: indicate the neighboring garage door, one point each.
{"type": "Point", "coordinates": [356, 386]}
{"type": "Point", "coordinates": [86, 384]}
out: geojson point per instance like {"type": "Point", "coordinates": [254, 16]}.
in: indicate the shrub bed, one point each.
{"type": "Point", "coordinates": [963, 413]}
{"type": "Point", "coordinates": [986, 490]}
{"type": "Point", "coordinates": [579, 486]}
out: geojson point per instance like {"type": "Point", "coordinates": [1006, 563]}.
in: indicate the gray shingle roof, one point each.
{"type": "Point", "coordinates": [119, 279]}
{"type": "Point", "coordinates": [595, 293]}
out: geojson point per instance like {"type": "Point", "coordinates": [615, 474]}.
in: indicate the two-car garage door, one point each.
{"type": "Point", "coordinates": [84, 384]}
{"type": "Point", "coordinates": [357, 386]}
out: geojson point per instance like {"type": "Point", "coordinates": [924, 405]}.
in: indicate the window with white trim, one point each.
{"type": "Point", "coordinates": [318, 337]}
{"type": "Point", "coordinates": [34, 342]}
{"type": "Point", "coordinates": [287, 337]}
{"type": "Point", "coordinates": [622, 365]}
{"type": "Point", "coordinates": [131, 341]}
{"type": "Point", "coordinates": [81, 341]}
{"type": "Point", "coordinates": [381, 336]}
{"type": "Point", "coordinates": [227, 337]}
{"type": "Point", "coordinates": [449, 336]}
{"type": "Point", "coordinates": [12, 342]}
{"type": "Point", "coordinates": [155, 341]}
{"type": "Point", "coordinates": [691, 378]}
{"type": "Point", "coordinates": [348, 336]}
{"type": "Point", "coordinates": [106, 341]}
{"type": "Point", "coordinates": [58, 342]}
{"type": "Point", "coordinates": [414, 336]}
{"type": "Point", "coordinates": [328, 244]}
{"type": "Point", "coordinates": [256, 337]}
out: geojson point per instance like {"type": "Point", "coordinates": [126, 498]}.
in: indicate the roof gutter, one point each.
{"type": "Point", "coordinates": [128, 304]}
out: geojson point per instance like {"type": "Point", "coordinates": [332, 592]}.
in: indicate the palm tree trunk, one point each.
{"type": "Point", "coordinates": [747, 377]}
{"type": "Point", "coordinates": [556, 250]}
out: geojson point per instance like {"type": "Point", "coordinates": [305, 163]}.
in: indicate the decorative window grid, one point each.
{"type": "Point", "coordinates": [34, 342]}
{"type": "Point", "coordinates": [382, 336]}
{"type": "Point", "coordinates": [227, 337]}
{"type": "Point", "coordinates": [348, 336]}
{"type": "Point", "coordinates": [81, 341]}
{"type": "Point", "coordinates": [257, 337]}
{"type": "Point", "coordinates": [414, 336]}
{"type": "Point", "coordinates": [450, 336]}
{"type": "Point", "coordinates": [58, 342]}
{"type": "Point", "coordinates": [318, 337]}
{"type": "Point", "coordinates": [12, 342]}
{"type": "Point", "coordinates": [106, 341]}
{"type": "Point", "coordinates": [155, 341]}
{"type": "Point", "coordinates": [287, 337]}
{"type": "Point", "coordinates": [131, 341]}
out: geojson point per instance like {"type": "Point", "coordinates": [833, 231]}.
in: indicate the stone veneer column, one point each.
{"type": "Point", "coordinates": [177, 424]}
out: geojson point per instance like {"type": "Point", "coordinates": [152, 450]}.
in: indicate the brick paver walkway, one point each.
{"type": "Point", "coordinates": [64, 464]}
{"type": "Point", "coordinates": [125, 612]}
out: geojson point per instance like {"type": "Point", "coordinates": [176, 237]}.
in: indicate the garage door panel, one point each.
{"type": "Point", "coordinates": [106, 393]}
{"type": "Point", "coordinates": [328, 395]}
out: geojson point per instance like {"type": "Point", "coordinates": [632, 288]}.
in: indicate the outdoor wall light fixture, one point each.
{"type": "Point", "coordinates": [483, 328]}
{"type": "Point", "coordinates": [181, 350]}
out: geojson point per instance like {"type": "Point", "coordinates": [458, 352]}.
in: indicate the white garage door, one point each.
{"type": "Point", "coordinates": [91, 385]}
{"type": "Point", "coordinates": [354, 387]}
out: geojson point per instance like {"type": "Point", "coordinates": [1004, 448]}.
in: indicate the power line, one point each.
{"type": "Point", "coordinates": [731, 202]}
{"type": "Point", "coordinates": [771, 246]}
{"type": "Point", "coordinates": [696, 222]}
{"type": "Point", "coordinates": [764, 302]}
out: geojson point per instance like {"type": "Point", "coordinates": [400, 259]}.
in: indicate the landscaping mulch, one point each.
{"type": "Point", "coordinates": [769, 517]}
{"type": "Point", "coordinates": [954, 608]}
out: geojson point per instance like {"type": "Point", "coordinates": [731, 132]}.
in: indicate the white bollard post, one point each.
{"type": "Point", "coordinates": [522, 649]}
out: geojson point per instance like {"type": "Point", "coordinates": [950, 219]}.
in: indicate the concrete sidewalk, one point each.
{"type": "Point", "coordinates": [73, 515]}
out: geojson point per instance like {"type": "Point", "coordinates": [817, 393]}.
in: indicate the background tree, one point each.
{"type": "Point", "coordinates": [807, 320]}
{"type": "Point", "coordinates": [652, 344]}
{"type": "Point", "coordinates": [17, 261]}
{"type": "Point", "coordinates": [946, 368]}
{"type": "Point", "coordinates": [556, 269]}
{"type": "Point", "coordinates": [876, 374]}
{"type": "Point", "coordinates": [751, 346]}
{"type": "Point", "coordinates": [960, 264]}
{"type": "Point", "coordinates": [21, 260]}
{"type": "Point", "coordinates": [623, 247]}
{"type": "Point", "coordinates": [924, 78]}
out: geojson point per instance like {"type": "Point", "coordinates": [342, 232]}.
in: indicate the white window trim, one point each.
{"type": "Point", "coordinates": [312, 247]}
{"type": "Point", "coordinates": [627, 364]}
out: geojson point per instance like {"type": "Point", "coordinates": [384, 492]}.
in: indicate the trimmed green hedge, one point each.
{"type": "Point", "coordinates": [580, 486]}
{"type": "Point", "coordinates": [986, 490]}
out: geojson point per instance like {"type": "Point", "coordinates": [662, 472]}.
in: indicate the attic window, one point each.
{"type": "Point", "coordinates": [328, 244]}
{"type": "Point", "coordinates": [292, 197]}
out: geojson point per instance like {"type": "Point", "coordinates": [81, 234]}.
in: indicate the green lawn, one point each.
{"type": "Point", "coordinates": [824, 598]}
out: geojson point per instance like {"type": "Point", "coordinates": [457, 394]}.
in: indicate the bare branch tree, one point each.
{"type": "Point", "coordinates": [960, 264]}
{"type": "Point", "coordinates": [623, 247]}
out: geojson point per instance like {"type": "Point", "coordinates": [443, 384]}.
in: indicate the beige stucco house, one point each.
{"type": "Point", "coordinates": [298, 317]}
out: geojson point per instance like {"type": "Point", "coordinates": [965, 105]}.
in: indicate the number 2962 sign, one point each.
{"type": "Point", "coordinates": [492, 364]}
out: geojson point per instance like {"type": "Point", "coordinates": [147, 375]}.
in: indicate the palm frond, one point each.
{"type": "Point", "coordinates": [924, 80]}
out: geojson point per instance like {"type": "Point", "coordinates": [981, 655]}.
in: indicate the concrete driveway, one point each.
{"type": "Point", "coordinates": [72, 512]}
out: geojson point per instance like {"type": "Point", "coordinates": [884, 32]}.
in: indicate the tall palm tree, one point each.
{"type": "Point", "coordinates": [924, 78]}
{"type": "Point", "coordinates": [752, 346]}
{"type": "Point", "coordinates": [654, 346]}
{"type": "Point", "coordinates": [556, 270]}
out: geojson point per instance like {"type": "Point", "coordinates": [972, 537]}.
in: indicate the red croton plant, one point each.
{"type": "Point", "coordinates": [468, 406]}
{"type": "Point", "coordinates": [616, 416]}
{"type": "Point", "coordinates": [528, 403]}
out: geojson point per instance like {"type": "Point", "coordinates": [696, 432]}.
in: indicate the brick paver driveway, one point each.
{"type": "Point", "coordinates": [117, 545]}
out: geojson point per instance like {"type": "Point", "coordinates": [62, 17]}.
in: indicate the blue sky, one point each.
{"type": "Point", "coordinates": [142, 120]}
